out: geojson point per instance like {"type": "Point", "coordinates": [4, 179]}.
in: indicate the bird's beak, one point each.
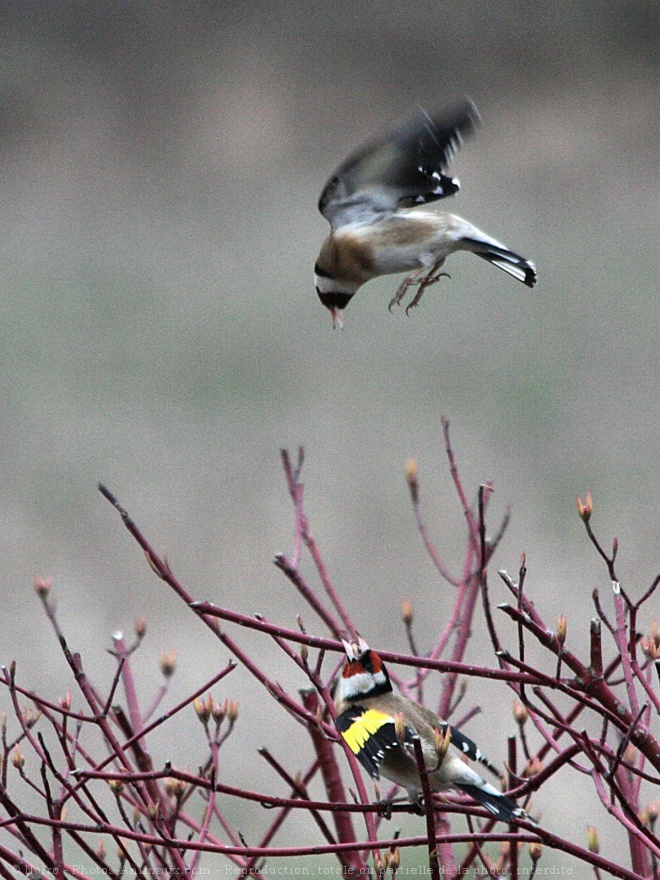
{"type": "Point", "coordinates": [337, 317]}
{"type": "Point", "coordinates": [349, 650]}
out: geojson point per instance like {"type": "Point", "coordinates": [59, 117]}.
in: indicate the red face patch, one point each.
{"type": "Point", "coordinates": [369, 662]}
{"type": "Point", "coordinates": [376, 662]}
{"type": "Point", "coordinates": [352, 667]}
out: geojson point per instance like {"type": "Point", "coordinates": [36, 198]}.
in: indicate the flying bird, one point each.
{"type": "Point", "coordinates": [380, 726]}
{"type": "Point", "coordinates": [376, 203]}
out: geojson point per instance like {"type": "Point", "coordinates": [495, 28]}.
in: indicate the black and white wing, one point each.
{"type": "Point", "coordinates": [403, 166]}
{"type": "Point", "coordinates": [370, 734]}
{"type": "Point", "coordinates": [464, 744]}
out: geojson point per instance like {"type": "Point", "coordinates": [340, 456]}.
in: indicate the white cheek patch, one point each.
{"type": "Point", "coordinates": [357, 685]}
{"type": "Point", "coordinates": [379, 678]}
{"type": "Point", "coordinates": [323, 283]}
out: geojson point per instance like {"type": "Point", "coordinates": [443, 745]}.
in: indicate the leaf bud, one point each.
{"type": "Point", "coordinates": [561, 629]}
{"type": "Point", "coordinates": [441, 742]}
{"type": "Point", "coordinates": [202, 709]}
{"type": "Point", "coordinates": [43, 585]}
{"type": "Point", "coordinates": [520, 713]}
{"type": "Point", "coordinates": [532, 768]}
{"type": "Point", "coordinates": [116, 786]}
{"type": "Point", "coordinates": [585, 507]}
{"type": "Point", "coordinates": [219, 712]}
{"type": "Point", "coordinates": [30, 716]}
{"type": "Point", "coordinates": [592, 840]}
{"type": "Point", "coordinates": [535, 851]}
{"type": "Point", "coordinates": [175, 788]}
{"type": "Point", "coordinates": [411, 478]}
{"type": "Point", "coordinates": [167, 663]}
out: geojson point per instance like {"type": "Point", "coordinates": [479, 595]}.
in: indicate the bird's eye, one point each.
{"type": "Point", "coordinates": [367, 661]}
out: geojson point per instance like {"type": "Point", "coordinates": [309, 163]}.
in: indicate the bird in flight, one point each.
{"type": "Point", "coordinates": [377, 206]}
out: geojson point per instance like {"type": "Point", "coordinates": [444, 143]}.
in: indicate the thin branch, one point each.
{"type": "Point", "coordinates": [413, 486]}
{"type": "Point", "coordinates": [434, 863]}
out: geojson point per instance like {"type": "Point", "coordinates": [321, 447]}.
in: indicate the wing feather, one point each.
{"type": "Point", "coordinates": [464, 744]}
{"type": "Point", "coordinates": [403, 166]}
{"type": "Point", "coordinates": [370, 734]}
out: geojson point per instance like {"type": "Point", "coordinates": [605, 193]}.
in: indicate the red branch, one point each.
{"type": "Point", "coordinates": [162, 819]}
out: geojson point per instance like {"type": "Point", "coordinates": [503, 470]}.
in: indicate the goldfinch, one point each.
{"type": "Point", "coordinates": [368, 713]}
{"type": "Point", "coordinates": [376, 205]}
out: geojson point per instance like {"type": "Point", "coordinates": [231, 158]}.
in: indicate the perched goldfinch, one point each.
{"type": "Point", "coordinates": [376, 205]}
{"type": "Point", "coordinates": [368, 713]}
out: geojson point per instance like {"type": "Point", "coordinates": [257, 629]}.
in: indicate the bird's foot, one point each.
{"type": "Point", "coordinates": [423, 284]}
{"type": "Point", "coordinates": [417, 806]}
{"type": "Point", "coordinates": [386, 808]}
{"type": "Point", "coordinates": [414, 278]}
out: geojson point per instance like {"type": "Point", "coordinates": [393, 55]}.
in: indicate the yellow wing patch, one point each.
{"type": "Point", "coordinates": [367, 724]}
{"type": "Point", "coordinates": [369, 735]}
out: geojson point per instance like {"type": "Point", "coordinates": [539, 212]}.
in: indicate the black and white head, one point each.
{"type": "Point", "coordinates": [335, 295]}
{"type": "Point", "coordinates": [364, 674]}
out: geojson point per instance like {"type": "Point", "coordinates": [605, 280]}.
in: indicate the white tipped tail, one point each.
{"type": "Point", "coordinates": [500, 256]}
{"type": "Point", "coordinates": [495, 802]}
{"type": "Point", "coordinates": [466, 779]}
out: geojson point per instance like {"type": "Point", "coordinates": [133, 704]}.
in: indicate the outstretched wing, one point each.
{"type": "Point", "coordinates": [370, 734]}
{"type": "Point", "coordinates": [405, 165]}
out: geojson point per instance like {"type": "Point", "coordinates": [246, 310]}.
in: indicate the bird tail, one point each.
{"type": "Point", "coordinates": [469, 748]}
{"type": "Point", "coordinates": [495, 253]}
{"type": "Point", "coordinates": [494, 801]}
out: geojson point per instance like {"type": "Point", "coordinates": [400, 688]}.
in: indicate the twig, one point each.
{"type": "Point", "coordinates": [434, 863]}
{"type": "Point", "coordinates": [413, 485]}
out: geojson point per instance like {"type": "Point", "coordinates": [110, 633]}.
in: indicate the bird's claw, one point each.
{"type": "Point", "coordinates": [417, 806]}
{"type": "Point", "coordinates": [401, 292]}
{"type": "Point", "coordinates": [424, 282]}
{"type": "Point", "coordinates": [385, 808]}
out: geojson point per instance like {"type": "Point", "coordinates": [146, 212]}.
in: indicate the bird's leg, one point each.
{"type": "Point", "coordinates": [417, 806]}
{"type": "Point", "coordinates": [385, 805]}
{"type": "Point", "coordinates": [416, 277]}
{"type": "Point", "coordinates": [386, 808]}
{"type": "Point", "coordinates": [432, 277]}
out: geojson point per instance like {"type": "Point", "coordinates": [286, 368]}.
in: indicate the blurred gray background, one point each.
{"type": "Point", "coordinates": [159, 330]}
